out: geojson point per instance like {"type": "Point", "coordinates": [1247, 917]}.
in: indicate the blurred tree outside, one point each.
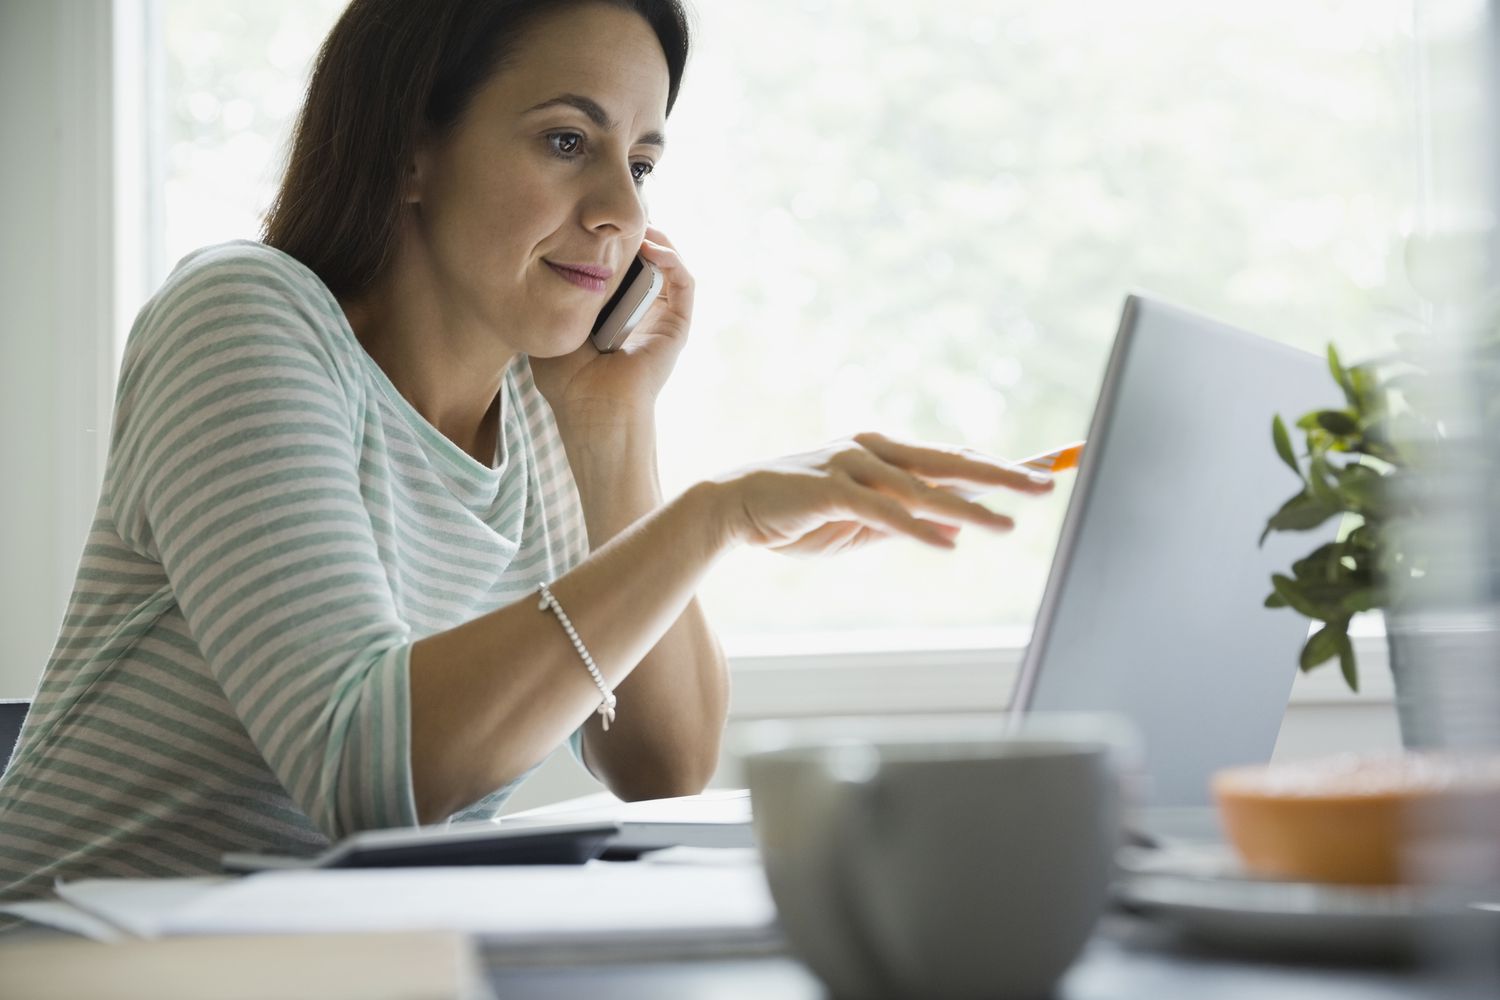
{"type": "Point", "coordinates": [924, 221]}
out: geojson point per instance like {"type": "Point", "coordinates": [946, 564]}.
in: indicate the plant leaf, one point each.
{"type": "Point", "coordinates": [1322, 646]}
{"type": "Point", "coordinates": [1283, 443]}
{"type": "Point", "coordinates": [1302, 512]}
{"type": "Point", "coordinates": [1363, 489]}
{"type": "Point", "coordinates": [1297, 596]}
{"type": "Point", "coordinates": [1275, 600]}
{"type": "Point", "coordinates": [1320, 481]}
{"type": "Point", "coordinates": [1363, 599]}
{"type": "Point", "coordinates": [1336, 369]}
{"type": "Point", "coordinates": [1346, 662]}
{"type": "Point", "coordinates": [1363, 385]}
{"type": "Point", "coordinates": [1337, 422]}
{"type": "Point", "coordinates": [1322, 564]}
{"type": "Point", "coordinates": [1363, 538]}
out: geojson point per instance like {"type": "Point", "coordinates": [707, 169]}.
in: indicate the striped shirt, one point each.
{"type": "Point", "coordinates": [276, 527]}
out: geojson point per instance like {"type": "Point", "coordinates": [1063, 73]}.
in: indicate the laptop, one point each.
{"type": "Point", "coordinates": [1154, 605]}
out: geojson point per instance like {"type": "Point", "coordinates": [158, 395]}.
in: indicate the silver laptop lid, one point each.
{"type": "Point", "coordinates": [1153, 608]}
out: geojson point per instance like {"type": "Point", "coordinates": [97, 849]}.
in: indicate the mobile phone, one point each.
{"type": "Point", "coordinates": [625, 308]}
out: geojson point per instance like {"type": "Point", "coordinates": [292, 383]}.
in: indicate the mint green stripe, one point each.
{"type": "Point", "coordinates": [238, 633]}
{"type": "Point", "coordinates": [193, 345]}
{"type": "Point", "coordinates": [46, 816]}
{"type": "Point", "coordinates": [252, 796]}
{"type": "Point", "coordinates": [245, 552]}
{"type": "Point", "coordinates": [372, 514]}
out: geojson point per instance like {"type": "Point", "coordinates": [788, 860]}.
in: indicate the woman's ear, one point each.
{"type": "Point", "coordinates": [419, 169]}
{"type": "Point", "coordinates": [411, 189]}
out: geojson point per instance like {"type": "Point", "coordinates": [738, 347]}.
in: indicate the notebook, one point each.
{"type": "Point", "coordinates": [569, 832]}
{"type": "Point", "coordinates": [480, 842]}
{"type": "Point", "coordinates": [718, 818]}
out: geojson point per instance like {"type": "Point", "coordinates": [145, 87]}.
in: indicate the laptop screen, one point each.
{"type": "Point", "coordinates": [1153, 608]}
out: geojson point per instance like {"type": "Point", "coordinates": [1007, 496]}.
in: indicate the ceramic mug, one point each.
{"type": "Point", "coordinates": [956, 867]}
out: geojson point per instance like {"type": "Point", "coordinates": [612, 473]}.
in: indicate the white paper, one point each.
{"type": "Point", "coordinates": [725, 805]}
{"type": "Point", "coordinates": [60, 916]}
{"type": "Point", "coordinates": [515, 905]}
{"type": "Point", "coordinates": [134, 906]}
{"type": "Point", "coordinates": [715, 857]}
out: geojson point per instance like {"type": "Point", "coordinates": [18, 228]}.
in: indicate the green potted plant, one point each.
{"type": "Point", "coordinates": [1409, 464]}
{"type": "Point", "coordinates": [1345, 471]}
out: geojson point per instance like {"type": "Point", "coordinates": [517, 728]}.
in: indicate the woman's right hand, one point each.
{"type": "Point", "coordinates": [868, 487]}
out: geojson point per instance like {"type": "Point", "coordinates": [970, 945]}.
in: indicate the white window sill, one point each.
{"type": "Point", "coordinates": [844, 674]}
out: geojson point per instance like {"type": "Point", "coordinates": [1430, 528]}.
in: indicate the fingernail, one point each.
{"type": "Point", "coordinates": [1040, 478]}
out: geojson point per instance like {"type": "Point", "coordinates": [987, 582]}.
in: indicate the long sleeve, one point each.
{"type": "Point", "coordinates": [235, 462]}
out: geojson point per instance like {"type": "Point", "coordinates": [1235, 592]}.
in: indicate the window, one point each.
{"type": "Point", "coordinates": [924, 221]}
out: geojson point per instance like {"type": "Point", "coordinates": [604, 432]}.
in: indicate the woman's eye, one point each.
{"type": "Point", "coordinates": [565, 144]}
{"type": "Point", "coordinates": [570, 146]}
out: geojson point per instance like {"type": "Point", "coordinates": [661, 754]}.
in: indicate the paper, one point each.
{"type": "Point", "coordinates": [133, 906]}
{"type": "Point", "coordinates": [718, 819]}
{"type": "Point", "coordinates": [664, 909]}
{"type": "Point", "coordinates": [60, 916]}
{"type": "Point", "coordinates": [727, 806]}
{"type": "Point", "coordinates": [704, 856]}
{"type": "Point", "coordinates": [111, 909]}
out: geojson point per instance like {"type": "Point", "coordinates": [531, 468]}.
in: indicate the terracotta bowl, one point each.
{"type": "Point", "coordinates": [1363, 819]}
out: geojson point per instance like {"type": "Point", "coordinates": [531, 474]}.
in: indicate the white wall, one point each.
{"type": "Point", "coordinates": [28, 192]}
{"type": "Point", "coordinates": [55, 293]}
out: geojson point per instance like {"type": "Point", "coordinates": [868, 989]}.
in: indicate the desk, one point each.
{"type": "Point", "coordinates": [1127, 960]}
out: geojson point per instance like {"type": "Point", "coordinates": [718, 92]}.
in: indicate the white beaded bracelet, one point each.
{"type": "Point", "coordinates": [607, 705]}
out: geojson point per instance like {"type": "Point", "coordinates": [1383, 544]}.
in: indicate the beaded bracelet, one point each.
{"type": "Point", "coordinates": [607, 705]}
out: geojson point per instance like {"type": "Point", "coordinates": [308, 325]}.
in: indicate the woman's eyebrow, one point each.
{"type": "Point", "coordinates": [596, 114]}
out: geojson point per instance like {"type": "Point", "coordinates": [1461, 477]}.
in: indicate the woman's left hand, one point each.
{"type": "Point", "coordinates": [586, 387]}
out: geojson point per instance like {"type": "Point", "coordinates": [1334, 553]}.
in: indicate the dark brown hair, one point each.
{"type": "Point", "coordinates": [389, 72]}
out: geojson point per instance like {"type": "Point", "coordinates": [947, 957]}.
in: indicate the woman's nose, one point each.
{"type": "Point", "coordinates": [615, 201]}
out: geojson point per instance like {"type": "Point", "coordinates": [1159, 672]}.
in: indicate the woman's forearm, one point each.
{"type": "Point", "coordinates": [492, 697]}
{"type": "Point", "coordinates": [673, 706]}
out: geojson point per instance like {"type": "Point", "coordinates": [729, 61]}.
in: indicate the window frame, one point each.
{"type": "Point", "coordinates": [794, 682]}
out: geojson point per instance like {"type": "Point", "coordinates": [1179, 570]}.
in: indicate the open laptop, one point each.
{"type": "Point", "coordinates": [1153, 607]}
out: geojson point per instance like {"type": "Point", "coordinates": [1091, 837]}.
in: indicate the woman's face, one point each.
{"type": "Point", "coordinates": [542, 177]}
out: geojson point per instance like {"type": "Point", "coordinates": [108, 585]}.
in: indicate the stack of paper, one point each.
{"type": "Point", "coordinates": [601, 911]}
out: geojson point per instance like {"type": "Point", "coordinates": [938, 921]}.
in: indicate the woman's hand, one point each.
{"type": "Point", "coordinates": [869, 487]}
{"type": "Point", "coordinates": [587, 387]}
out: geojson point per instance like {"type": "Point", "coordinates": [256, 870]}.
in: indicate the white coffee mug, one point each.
{"type": "Point", "coordinates": [974, 866]}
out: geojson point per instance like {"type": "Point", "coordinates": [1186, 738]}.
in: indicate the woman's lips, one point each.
{"type": "Point", "coordinates": [594, 279]}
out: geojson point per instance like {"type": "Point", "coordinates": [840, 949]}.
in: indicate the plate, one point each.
{"type": "Point", "coordinates": [1202, 892]}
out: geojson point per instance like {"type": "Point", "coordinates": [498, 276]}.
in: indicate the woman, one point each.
{"type": "Point", "coordinates": [380, 527]}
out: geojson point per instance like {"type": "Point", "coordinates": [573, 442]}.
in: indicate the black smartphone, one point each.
{"type": "Point", "coordinates": [628, 305]}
